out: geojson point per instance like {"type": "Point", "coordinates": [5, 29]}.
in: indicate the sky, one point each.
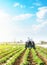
{"type": "Point", "coordinates": [20, 19]}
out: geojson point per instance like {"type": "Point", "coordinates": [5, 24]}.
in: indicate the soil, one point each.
{"type": "Point", "coordinates": [5, 54]}
{"type": "Point", "coordinates": [42, 58]}
{"type": "Point", "coordinates": [19, 60]}
{"type": "Point", "coordinates": [30, 59]}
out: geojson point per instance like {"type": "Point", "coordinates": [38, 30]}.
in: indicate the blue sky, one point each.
{"type": "Point", "coordinates": [20, 19]}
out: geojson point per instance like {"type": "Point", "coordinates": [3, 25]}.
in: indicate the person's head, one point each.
{"type": "Point", "coordinates": [29, 39]}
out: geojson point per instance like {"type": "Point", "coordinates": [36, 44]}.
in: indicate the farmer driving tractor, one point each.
{"type": "Point", "coordinates": [30, 44]}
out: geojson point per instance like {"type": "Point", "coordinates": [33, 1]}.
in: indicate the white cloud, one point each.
{"type": "Point", "coordinates": [9, 30]}
{"type": "Point", "coordinates": [4, 26]}
{"type": "Point", "coordinates": [4, 17]}
{"type": "Point", "coordinates": [41, 19]}
{"type": "Point", "coordinates": [42, 12]}
{"type": "Point", "coordinates": [22, 17]}
{"type": "Point", "coordinates": [16, 4]}
{"type": "Point", "coordinates": [19, 5]}
{"type": "Point", "coordinates": [39, 26]}
{"type": "Point", "coordinates": [37, 4]}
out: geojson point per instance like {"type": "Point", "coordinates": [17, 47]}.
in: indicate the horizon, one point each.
{"type": "Point", "coordinates": [20, 19]}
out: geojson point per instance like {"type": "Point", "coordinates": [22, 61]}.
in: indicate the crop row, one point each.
{"type": "Point", "coordinates": [42, 51]}
{"type": "Point", "coordinates": [30, 56]}
{"type": "Point", "coordinates": [14, 57]}
{"type": "Point", "coordinates": [10, 54]}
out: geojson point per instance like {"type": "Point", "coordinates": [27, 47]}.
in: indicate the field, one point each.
{"type": "Point", "coordinates": [16, 54]}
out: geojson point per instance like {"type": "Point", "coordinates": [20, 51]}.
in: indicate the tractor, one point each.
{"type": "Point", "coordinates": [30, 44]}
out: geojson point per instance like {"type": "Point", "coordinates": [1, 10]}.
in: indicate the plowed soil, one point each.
{"type": "Point", "coordinates": [19, 60]}
{"type": "Point", "coordinates": [30, 59]}
{"type": "Point", "coordinates": [42, 58]}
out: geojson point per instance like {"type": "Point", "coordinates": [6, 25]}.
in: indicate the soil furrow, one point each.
{"type": "Point", "coordinates": [42, 58]}
{"type": "Point", "coordinates": [6, 54]}
{"type": "Point", "coordinates": [19, 60]}
{"type": "Point", "coordinates": [30, 59]}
